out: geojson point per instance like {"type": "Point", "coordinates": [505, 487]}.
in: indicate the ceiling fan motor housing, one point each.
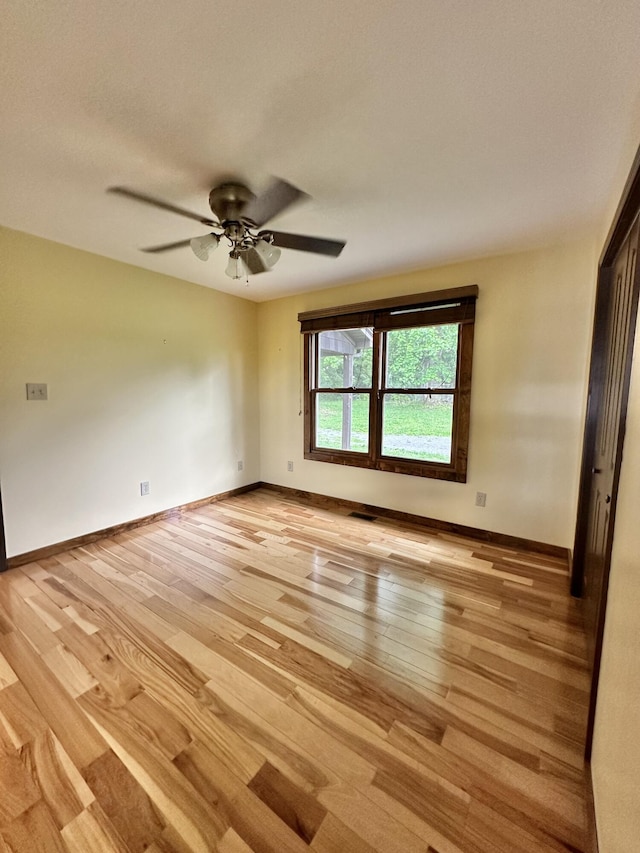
{"type": "Point", "coordinates": [229, 200]}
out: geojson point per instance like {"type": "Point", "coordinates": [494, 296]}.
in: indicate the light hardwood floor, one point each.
{"type": "Point", "coordinates": [259, 675]}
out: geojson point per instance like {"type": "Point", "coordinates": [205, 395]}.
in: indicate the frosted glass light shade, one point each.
{"type": "Point", "coordinates": [269, 253]}
{"type": "Point", "coordinates": [235, 267]}
{"type": "Point", "coordinates": [203, 246]}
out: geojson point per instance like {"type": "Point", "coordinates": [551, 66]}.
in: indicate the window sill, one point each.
{"type": "Point", "coordinates": [433, 470]}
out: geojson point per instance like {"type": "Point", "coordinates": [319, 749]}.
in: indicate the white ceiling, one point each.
{"type": "Point", "coordinates": [425, 130]}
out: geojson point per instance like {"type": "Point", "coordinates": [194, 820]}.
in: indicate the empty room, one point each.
{"type": "Point", "coordinates": [319, 427]}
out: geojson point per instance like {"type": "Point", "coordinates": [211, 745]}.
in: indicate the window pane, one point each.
{"type": "Point", "coordinates": [342, 422]}
{"type": "Point", "coordinates": [416, 426]}
{"type": "Point", "coordinates": [424, 357]}
{"type": "Point", "coordinates": [345, 358]}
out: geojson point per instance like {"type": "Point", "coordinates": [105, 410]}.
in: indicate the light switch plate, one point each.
{"type": "Point", "coordinates": [36, 391]}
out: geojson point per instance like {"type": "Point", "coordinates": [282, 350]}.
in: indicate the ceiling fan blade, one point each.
{"type": "Point", "coordinates": [166, 247]}
{"type": "Point", "coordinates": [155, 202]}
{"type": "Point", "coordinates": [254, 262]}
{"type": "Point", "coordinates": [277, 198]}
{"type": "Point", "coordinates": [303, 243]}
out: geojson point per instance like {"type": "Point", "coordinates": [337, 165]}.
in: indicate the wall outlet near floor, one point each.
{"type": "Point", "coordinates": [481, 498]}
{"type": "Point", "coordinates": [240, 465]}
{"type": "Point", "coordinates": [144, 488]}
{"type": "Point", "coordinates": [36, 391]}
{"type": "Point", "coordinates": [290, 465]}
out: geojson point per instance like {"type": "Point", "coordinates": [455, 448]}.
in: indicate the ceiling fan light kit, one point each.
{"type": "Point", "coordinates": [239, 216]}
{"type": "Point", "coordinates": [269, 253]}
{"type": "Point", "coordinates": [235, 268]}
{"type": "Point", "coordinates": [203, 246]}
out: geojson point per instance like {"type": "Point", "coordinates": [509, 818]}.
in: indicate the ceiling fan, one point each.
{"type": "Point", "coordinates": [240, 214]}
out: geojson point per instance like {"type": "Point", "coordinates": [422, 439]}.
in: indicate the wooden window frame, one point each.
{"type": "Point", "coordinates": [442, 307]}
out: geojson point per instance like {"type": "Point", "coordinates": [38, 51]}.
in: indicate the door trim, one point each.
{"type": "Point", "coordinates": [626, 213]}
{"type": "Point", "coordinates": [3, 544]}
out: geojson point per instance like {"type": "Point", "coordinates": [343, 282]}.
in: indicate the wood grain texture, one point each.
{"type": "Point", "coordinates": [260, 675]}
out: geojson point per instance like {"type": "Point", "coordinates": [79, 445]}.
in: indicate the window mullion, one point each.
{"type": "Point", "coordinates": [379, 368]}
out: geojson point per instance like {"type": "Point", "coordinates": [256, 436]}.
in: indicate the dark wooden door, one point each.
{"type": "Point", "coordinates": [610, 425]}
{"type": "Point", "coordinates": [613, 349]}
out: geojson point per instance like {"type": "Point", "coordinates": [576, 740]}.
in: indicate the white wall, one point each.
{"type": "Point", "coordinates": [150, 378]}
{"type": "Point", "coordinates": [533, 328]}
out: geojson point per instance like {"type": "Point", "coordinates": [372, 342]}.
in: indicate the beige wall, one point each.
{"type": "Point", "coordinates": [532, 339]}
{"type": "Point", "coordinates": [616, 747]}
{"type": "Point", "coordinates": [150, 378]}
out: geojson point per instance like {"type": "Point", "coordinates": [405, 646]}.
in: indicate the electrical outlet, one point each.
{"type": "Point", "coordinates": [481, 498]}
{"type": "Point", "coordinates": [290, 465]}
{"type": "Point", "coordinates": [144, 488]}
{"type": "Point", "coordinates": [36, 391]}
{"type": "Point", "coordinates": [240, 465]}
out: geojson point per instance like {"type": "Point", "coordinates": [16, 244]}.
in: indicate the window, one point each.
{"type": "Point", "coordinates": [388, 383]}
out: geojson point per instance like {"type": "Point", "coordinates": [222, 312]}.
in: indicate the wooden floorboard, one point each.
{"type": "Point", "coordinates": [263, 675]}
